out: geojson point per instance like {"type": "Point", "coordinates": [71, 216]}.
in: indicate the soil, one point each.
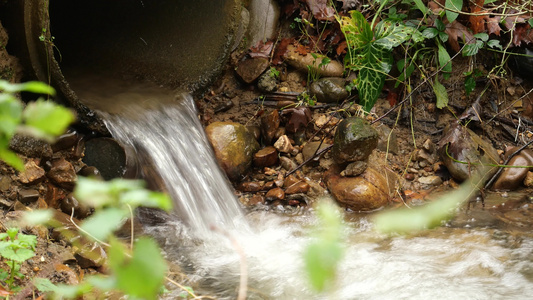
{"type": "Point", "coordinates": [414, 123]}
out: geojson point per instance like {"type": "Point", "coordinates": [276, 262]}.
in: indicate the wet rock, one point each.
{"type": "Point", "coordinates": [310, 149]}
{"type": "Point", "coordinates": [275, 194]}
{"type": "Point", "coordinates": [267, 83]}
{"type": "Point", "coordinates": [367, 192]}
{"type": "Point", "coordinates": [388, 141]}
{"type": "Point", "coordinates": [28, 196]}
{"type": "Point", "coordinates": [110, 158]}
{"type": "Point", "coordinates": [251, 186]}
{"type": "Point", "coordinates": [528, 181]}
{"type": "Point", "coordinates": [354, 169]}
{"type": "Point", "coordinates": [430, 180]}
{"type": "Point", "coordinates": [70, 205]}
{"type": "Point", "coordinates": [251, 68]}
{"type": "Point", "coordinates": [329, 90]}
{"type": "Point", "coordinates": [255, 200]}
{"type": "Point", "coordinates": [269, 126]}
{"type": "Point", "coordinates": [54, 196]}
{"type": "Point", "coordinates": [90, 171]}
{"type": "Point", "coordinates": [88, 254]}
{"type": "Point", "coordinates": [287, 163]}
{"type": "Point", "coordinates": [255, 131]}
{"type": "Point", "coordinates": [65, 141]}
{"type": "Point", "coordinates": [234, 147]}
{"type": "Point", "coordinates": [266, 157]}
{"type": "Point", "coordinates": [290, 180]}
{"type": "Point", "coordinates": [30, 146]}
{"type": "Point", "coordinates": [284, 145]}
{"type": "Point", "coordinates": [464, 145]}
{"type": "Point", "coordinates": [355, 140]}
{"type": "Point", "coordinates": [297, 188]}
{"type": "Point", "coordinates": [511, 178]}
{"type": "Point", "coordinates": [410, 176]}
{"type": "Point", "coordinates": [62, 173]}
{"type": "Point", "coordinates": [5, 183]}
{"type": "Point", "coordinates": [32, 173]}
{"type": "Point", "coordinates": [225, 106]}
{"type": "Point", "coordinates": [302, 63]}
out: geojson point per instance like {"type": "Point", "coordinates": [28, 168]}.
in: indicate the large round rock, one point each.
{"type": "Point", "coordinates": [354, 140]}
{"type": "Point", "coordinates": [329, 89]}
{"type": "Point", "coordinates": [234, 147]}
{"type": "Point", "coordinates": [367, 192]}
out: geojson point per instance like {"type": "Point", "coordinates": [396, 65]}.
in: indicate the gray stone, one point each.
{"type": "Point", "coordinates": [267, 83]}
{"type": "Point", "coordinates": [329, 90]}
{"type": "Point", "coordinates": [430, 180]}
{"type": "Point", "coordinates": [388, 141]}
{"type": "Point", "coordinates": [263, 21]}
{"type": "Point", "coordinates": [28, 196]}
{"type": "Point", "coordinates": [354, 169]}
{"type": "Point", "coordinates": [354, 140]}
{"type": "Point", "coordinates": [251, 68]}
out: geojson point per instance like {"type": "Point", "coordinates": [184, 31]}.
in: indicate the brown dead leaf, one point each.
{"type": "Point", "coordinates": [477, 21]}
{"type": "Point", "coordinates": [298, 118]}
{"type": "Point", "coordinates": [261, 49]}
{"type": "Point", "coordinates": [302, 50]}
{"type": "Point", "coordinates": [281, 49]}
{"type": "Point", "coordinates": [4, 292]}
{"type": "Point", "coordinates": [493, 24]}
{"type": "Point", "coordinates": [341, 49]}
{"type": "Point", "coordinates": [320, 9]}
{"type": "Point", "coordinates": [457, 30]}
{"type": "Point", "coordinates": [435, 7]}
{"type": "Point", "coordinates": [521, 34]}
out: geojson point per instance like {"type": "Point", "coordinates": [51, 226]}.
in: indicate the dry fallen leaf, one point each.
{"type": "Point", "coordinates": [457, 30]}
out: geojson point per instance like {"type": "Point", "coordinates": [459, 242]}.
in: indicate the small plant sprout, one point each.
{"type": "Point", "coordinates": [15, 248]}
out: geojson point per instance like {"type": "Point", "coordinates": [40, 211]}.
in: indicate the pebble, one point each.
{"type": "Point", "coordinates": [251, 186]}
{"type": "Point", "coordinates": [409, 176]}
{"type": "Point", "coordinates": [284, 145]}
{"type": "Point", "coordinates": [266, 157]}
{"type": "Point", "coordinates": [275, 194]}
{"type": "Point", "coordinates": [287, 163]}
{"type": "Point", "coordinates": [297, 188]}
{"type": "Point", "coordinates": [28, 196]}
{"type": "Point", "coordinates": [251, 68]}
{"type": "Point", "coordinates": [355, 140]}
{"type": "Point", "coordinates": [269, 125]}
{"type": "Point", "coordinates": [354, 169]}
{"type": "Point", "coordinates": [430, 180]}
{"type": "Point", "coordinates": [267, 83]}
{"type": "Point", "coordinates": [62, 173]}
{"type": "Point", "coordinates": [329, 89]}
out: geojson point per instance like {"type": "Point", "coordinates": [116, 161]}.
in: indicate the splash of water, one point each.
{"type": "Point", "coordinates": [174, 141]}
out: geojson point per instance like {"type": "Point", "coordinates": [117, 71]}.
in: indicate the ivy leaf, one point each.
{"type": "Point", "coordinates": [375, 66]}
{"type": "Point", "coordinates": [472, 49]}
{"type": "Point", "coordinates": [456, 5]}
{"type": "Point", "coordinates": [356, 30]}
{"type": "Point", "coordinates": [46, 119]}
{"type": "Point", "coordinates": [430, 32]}
{"type": "Point", "coordinates": [103, 222]}
{"type": "Point", "coordinates": [495, 44]}
{"type": "Point", "coordinates": [441, 93]}
{"type": "Point", "coordinates": [444, 61]}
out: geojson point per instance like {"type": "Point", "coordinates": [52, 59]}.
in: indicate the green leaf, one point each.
{"type": "Point", "coordinates": [440, 93]}
{"type": "Point", "coordinates": [143, 274]}
{"type": "Point", "coordinates": [444, 61]}
{"type": "Point", "coordinates": [102, 283]}
{"type": "Point", "coordinates": [31, 86]}
{"type": "Point", "coordinates": [443, 37]}
{"type": "Point", "coordinates": [482, 36]}
{"type": "Point", "coordinates": [103, 222]}
{"type": "Point", "coordinates": [404, 73]}
{"type": "Point", "coordinates": [18, 255]}
{"type": "Point", "coordinates": [529, 21]}
{"type": "Point", "coordinates": [323, 255]}
{"type": "Point", "coordinates": [470, 84]}
{"type": "Point", "coordinates": [407, 220]}
{"type": "Point", "coordinates": [147, 198]}
{"type": "Point", "coordinates": [27, 240]}
{"type": "Point", "coordinates": [472, 49]}
{"type": "Point", "coordinates": [456, 5]}
{"type": "Point", "coordinates": [356, 30]}
{"type": "Point", "coordinates": [390, 35]}
{"type": "Point", "coordinates": [430, 32]}
{"type": "Point", "coordinates": [47, 119]}
{"type": "Point", "coordinates": [374, 68]}
{"type": "Point", "coordinates": [421, 6]}
{"type": "Point", "coordinates": [37, 217]}
{"type": "Point", "coordinates": [440, 25]}
{"type": "Point", "coordinates": [495, 44]}
{"type": "Point", "coordinates": [44, 284]}
{"type": "Point", "coordinates": [11, 159]}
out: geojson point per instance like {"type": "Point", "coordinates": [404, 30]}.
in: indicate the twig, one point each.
{"type": "Point", "coordinates": [309, 159]}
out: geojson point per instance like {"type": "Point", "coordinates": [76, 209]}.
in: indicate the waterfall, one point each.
{"type": "Point", "coordinates": [173, 139]}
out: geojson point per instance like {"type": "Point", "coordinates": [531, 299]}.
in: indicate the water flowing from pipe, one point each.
{"type": "Point", "coordinates": [173, 140]}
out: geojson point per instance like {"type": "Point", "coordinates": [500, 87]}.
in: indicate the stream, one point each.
{"type": "Point", "coordinates": [481, 254]}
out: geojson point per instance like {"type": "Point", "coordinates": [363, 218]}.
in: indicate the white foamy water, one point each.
{"type": "Point", "coordinates": [446, 263]}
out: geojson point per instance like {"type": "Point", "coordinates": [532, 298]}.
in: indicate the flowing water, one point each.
{"type": "Point", "coordinates": [470, 259]}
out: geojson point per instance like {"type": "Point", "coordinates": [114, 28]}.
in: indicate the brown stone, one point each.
{"type": "Point", "coordinates": [251, 68]}
{"type": "Point", "coordinates": [269, 126]}
{"type": "Point", "coordinates": [32, 173]}
{"type": "Point", "coordinates": [41, 204]}
{"type": "Point", "coordinates": [251, 186]}
{"type": "Point", "coordinates": [362, 193]}
{"type": "Point", "coordinates": [53, 196]}
{"type": "Point", "coordinates": [256, 199]}
{"type": "Point", "coordinates": [28, 196]}
{"type": "Point", "coordinates": [287, 163]}
{"type": "Point", "coordinates": [266, 157]}
{"type": "Point", "coordinates": [512, 178]}
{"type": "Point", "coordinates": [298, 187]}
{"type": "Point", "coordinates": [310, 149]}
{"type": "Point", "coordinates": [70, 205]}
{"type": "Point", "coordinates": [275, 194]}
{"type": "Point", "coordinates": [528, 181]}
{"type": "Point", "coordinates": [63, 174]}
{"type": "Point", "coordinates": [290, 180]}
{"type": "Point", "coordinates": [283, 144]}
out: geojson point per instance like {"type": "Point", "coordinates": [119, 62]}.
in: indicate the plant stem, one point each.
{"type": "Point", "coordinates": [378, 13]}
